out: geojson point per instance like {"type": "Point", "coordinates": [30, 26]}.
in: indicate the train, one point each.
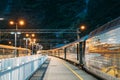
{"type": "Point", "coordinates": [98, 52]}
{"type": "Point", "coordinates": [7, 51]}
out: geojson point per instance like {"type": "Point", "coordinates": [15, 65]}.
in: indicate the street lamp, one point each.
{"type": "Point", "coordinates": [10, 42]}
{"type": "Point", "coordinates": [21, 22]}
{"type": "Point", "coordinates": [1, 19]}
{"type": "Point", "coordinates": [33, 35]}
{"type": "Point", "coordinates": [82, 27]}
{"type": "Point", "coordinates": [78, 30]}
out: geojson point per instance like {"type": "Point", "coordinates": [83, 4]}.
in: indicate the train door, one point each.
{"type": "Point", "coordinates": [81, 52]}
{"type": "Point", "coordinates": [64, 53]}
{"type": "Point", "coordinates": [78, 51]}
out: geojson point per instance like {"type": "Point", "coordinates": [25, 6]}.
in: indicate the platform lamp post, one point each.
{"type": "Point", "coordinates": [81, 28]}
{"type": "Point", "coordinates": [1, 19]}
{"type": "Point", "coordinates": [21, 22]}
{"type": "Point", "coordinates": [26, 40]}
{"type": "Point", "coordinates": [79, 31]}
{"type": "Point", "coordinates": [32, 41]}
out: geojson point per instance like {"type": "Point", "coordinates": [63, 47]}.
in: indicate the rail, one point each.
{"type": "Point", "coordinates": [20, 68]}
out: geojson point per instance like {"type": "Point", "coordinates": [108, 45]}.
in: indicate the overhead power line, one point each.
{"type": "Point", "coordinates": [39, 30]}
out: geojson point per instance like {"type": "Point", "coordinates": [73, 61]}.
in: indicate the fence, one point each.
{"type": "Point", "coordinates": [20, 68]}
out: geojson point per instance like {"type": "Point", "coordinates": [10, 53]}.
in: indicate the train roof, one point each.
{"type": "Point", "coordinates": [82, 39]}
{"type": "Point", "coordinates": [6, 46]}
{"type": "Point", "coordinates": [106, 27]}
{"type": "Point", "coordinates": [69, 44]}
{"type": "Point", "coordinates": [11, 47]}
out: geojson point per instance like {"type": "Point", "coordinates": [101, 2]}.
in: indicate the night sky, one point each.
{"type": "Point", "coordinates": [59, 14]}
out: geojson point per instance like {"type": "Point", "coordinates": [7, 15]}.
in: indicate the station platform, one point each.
{"type": "Point", "coordinates": [59, 69]}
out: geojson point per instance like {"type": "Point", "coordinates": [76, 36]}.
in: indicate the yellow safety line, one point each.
{"type": "Point", "coordinates": [72, 71]}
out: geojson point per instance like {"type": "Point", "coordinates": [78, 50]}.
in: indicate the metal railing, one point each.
{"type": "Point", "coordinates": [20, 68]}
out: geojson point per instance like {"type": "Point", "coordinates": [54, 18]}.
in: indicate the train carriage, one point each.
{"type": "Point", "coordinates": [102, 52]}
{"type": "Point", "coordinates": [9, 51]}
{"type": "Point", "coordinates": [75, 50]}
